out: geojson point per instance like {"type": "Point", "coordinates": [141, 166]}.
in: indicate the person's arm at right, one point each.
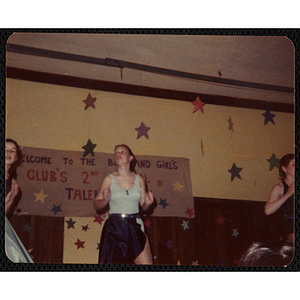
{"type": "Point", "coordinates": [276, 199]}
{"type": "Point", "coordinates": [103, 196]}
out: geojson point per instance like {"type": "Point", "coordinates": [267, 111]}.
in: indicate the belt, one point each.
{"type": "Point", "coordinates": [137, 215]}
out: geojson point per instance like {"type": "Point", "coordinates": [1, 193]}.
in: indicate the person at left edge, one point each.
{"type": "Point", "coordinates": [14, 247]}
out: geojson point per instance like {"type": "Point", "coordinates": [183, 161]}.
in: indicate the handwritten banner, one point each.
{"type": "Point", "coordinates": [64, 183]}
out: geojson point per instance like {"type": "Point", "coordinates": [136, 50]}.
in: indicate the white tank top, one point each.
{"type": "Point", "coordinates": [122, 201]}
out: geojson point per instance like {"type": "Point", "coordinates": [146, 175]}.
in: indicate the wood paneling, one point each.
{"type": "Point", "coordinates": [205, 242]}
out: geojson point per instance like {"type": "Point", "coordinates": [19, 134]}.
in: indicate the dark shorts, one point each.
{"type": "Point", "coordinates": [122, 240]}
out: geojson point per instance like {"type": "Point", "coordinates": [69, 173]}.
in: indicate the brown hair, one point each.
{"type": "Point", "coordinates": [133, 162]}
{"type": "Point", "coordinates": [12, 170]}
{"type": "Point", "coordinates": [284, 162]}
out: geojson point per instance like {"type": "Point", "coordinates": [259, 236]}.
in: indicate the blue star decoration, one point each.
{"type": "Point", "coordinates": [89, 148]}
{"type": "Point", "coordinates": [274, 162]}
{"type": "Point", "coordinates": [169, 244]}
{"type": "Point", "coordinates": [268, 117]}
{"type": "Point", "coordinates": [71, 223]}
{"type": "Point", "coordinates": [27, 227]}
{"type": "Point", "coordinates": [163, 203]}
{"type": "Point", "coordinates": [89, 101]}
{"type": "Point", "coordinates": [142, 130]}
{"type": "Point", "coordinates": [235, 172]}
{"type": "Point", "coordinates": [56, 209]}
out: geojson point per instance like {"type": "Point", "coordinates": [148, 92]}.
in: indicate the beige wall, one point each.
{"type": "Point", "coordinates": [52, 116]}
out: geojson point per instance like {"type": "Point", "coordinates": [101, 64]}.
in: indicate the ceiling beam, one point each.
{"type": "Point", "coordinates": [109, 62]}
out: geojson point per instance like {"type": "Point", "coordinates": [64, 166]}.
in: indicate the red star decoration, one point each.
{"type": "Point", "coordinates": [220, 220]}
{"type": "Point", "coordinates": [98, 219]}
{"type": "Point", "coordinates": [190, 212]}
{"type": "Point", "coordinates": [79, 244]}
{"type": "Point", "coordinates": [198, 104]}
{"type": "Point", "coordinates": [148, 223]}
{"type": "Point", "coordinates": [89, 101]}
{"type": "Point", "coordinates": [159, 183]}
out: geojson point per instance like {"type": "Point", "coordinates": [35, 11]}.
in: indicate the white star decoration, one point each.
{"type": "Point", "coordinates": [235, 233]}
{"type": "Point", "coordinates": [185, 225]}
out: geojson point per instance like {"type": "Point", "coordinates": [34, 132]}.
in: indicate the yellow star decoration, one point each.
{"type": "Point", "coordinates": [177, 186]}
{"type": "Point", "coordinates": [40, 196]}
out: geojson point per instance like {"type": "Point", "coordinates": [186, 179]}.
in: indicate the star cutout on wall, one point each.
{"type": "Point", "coordinates": [230, 124]}
{"type": "Point", "coordinates": [85, 228]}
{"type": "Point", "coordinates": [177, 186]}
{"type": "Point", "coordinates": [220, 220]}
{"type": "Point", "coordinates": [159, 183]}
{"type": "Point", "coordinates": [56, 209]}
{"type": "Point", "coordinates": [235, 172]}
{"type": "Point", "coordinates": [268, 116]}
{"type": "Point", "coordinates": [70, 223]}
{"type": "Point", "coordinates": [169, 244]}
{"type": "Point", "coordinates": [89, 101]}
{"type": "Point", "coordinates": [98, 219]}
{"type": "Point", "coordinates": [98, 246]}
{"type": "Point", "coordinates": [198, 104]}
{"type": "Point", "coordinates": [89, 148]}
{"type": "Point", "coordinates": [274, 162]}
{"type": "Point", "coordinates": [163, 203]}
{"type": "Point", "coordinates": [235, 233]}
{"type": "Point", "coordinates": [147, 223]}
{"type": "Point", "coordinates": [27, 227]}
{"type": "Point", "coordinates": [40, 196]}
{"type": "Point", "coordinates": [29, 251]}
{"type": "Point", "coordinates": [195, 263]}
{"type": "Point", "coordinates": [79, 244]}
{"type": "Point", "coordinates": [142, 130]}
{"type": "Point", "coordinates": [185, 225]}
{"type": "Point", "coordinates": [190, 212]}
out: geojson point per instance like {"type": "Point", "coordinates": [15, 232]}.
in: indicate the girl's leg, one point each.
{"type": "Point", "coordinates": [145, 257]}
